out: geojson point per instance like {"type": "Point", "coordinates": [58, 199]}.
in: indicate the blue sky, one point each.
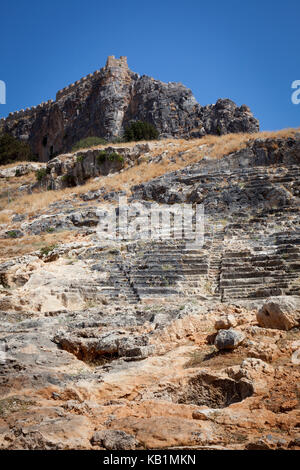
{"type": "Point", "coordinates": [248, 51]}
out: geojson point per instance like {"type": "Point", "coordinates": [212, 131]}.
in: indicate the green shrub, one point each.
{"type": "Point", "coordinates": [113, 156]}
{"type": "Point", "coordinates": [40, 174]}
{"type": "Point", "coordinates": [47, 249]}
{"type": "Point", "coordinates": [79, 158]}
{"type": "Point", "coordinates": [88, 142]}
{"type": "Point", "coordinates": [102, 155]}
{"type": "Point", "coordinates": [69, 179]}
{"type": "Point", "coordinates": [12, 149]}
{"type": "Point", "coordinates": [12, 234]}
{"type": "Point", "coordinates": [140, 131]}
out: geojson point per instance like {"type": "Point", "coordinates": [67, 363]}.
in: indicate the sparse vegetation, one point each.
{"type": "Point", "coordinates": [68, 179]}
{"type": "Point", "coordinates": [40, 174]}
{"type": "Point", "coordinates": [79, 158]}
{"type": "Point", "coordinates": [105, 155]}
{"type": "Point", "coordinates": [88, 142]}
{"type": "Point", "coordinates": [12, 150]}
{"type": "Point", "coordinates": [101, 157]}
{"type": "Point", "coordinates": [47, 249]}
{"type": "Point", "coordinates": [193, 151]}
{"type": "Point", "coordinates": [140, 130]}
{"type": "Point", "coordinates": [12, 234]}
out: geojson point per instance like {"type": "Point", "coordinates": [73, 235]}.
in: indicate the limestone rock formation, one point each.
{"type": "Point", "coordinates": [104, 103]}
{"type": "Point", "coordinates": [282, 313]}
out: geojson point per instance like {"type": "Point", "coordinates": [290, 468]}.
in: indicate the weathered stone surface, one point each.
{"type": "Point", "coordinates": [229, 339]}
{"type": "Point", "coordinates": [106, 102]}
{"type": "Point", "coordinates": [226, 322]}
{"type": "Point", "coordinates": [114, 440]}
{"type": "Point", "coordinates": [74, 169]}
{"type": "Point", "coordinates": [20, 170]}
{"type": "Point", "coordinates": [244, 180]}
{"type": "Point", "coordinates": [282, 313]}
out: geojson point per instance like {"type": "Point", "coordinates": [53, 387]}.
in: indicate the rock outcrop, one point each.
{"type": "Point", "coordinates": [104, 103]}
{"type": "Point", "coordinates": [281, 313]}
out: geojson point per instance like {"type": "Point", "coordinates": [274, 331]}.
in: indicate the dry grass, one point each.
{"type": "Point", "coordinates": [5, 217]}
{"type": "Point", "coordinates": [22, 162]}
{"type": "Point", "coordinates": [10, 248]}
{"type": "Point", "coordinates": [9, 189]}
{"type": "Point", "coordinates": [179, 154]}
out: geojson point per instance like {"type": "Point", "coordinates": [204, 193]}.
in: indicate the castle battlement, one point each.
{"type": "Point", "coordinates": [28, 112]}
{"type": "Point", "coordinates": [111, 63]}
{"type": "Point", "coordinates": [73, 86]}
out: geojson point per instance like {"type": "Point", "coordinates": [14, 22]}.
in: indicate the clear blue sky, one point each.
{"type": "Point", "coordinates": [248, 51]}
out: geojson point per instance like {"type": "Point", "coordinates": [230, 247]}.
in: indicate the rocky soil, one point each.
{"type": "Point", "coordinates": [134, 344]}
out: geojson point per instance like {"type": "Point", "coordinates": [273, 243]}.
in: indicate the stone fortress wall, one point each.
{"type": "Point", "coordinates": [26, 113]}
{"type": "Point", "coordinates": [111, 63]}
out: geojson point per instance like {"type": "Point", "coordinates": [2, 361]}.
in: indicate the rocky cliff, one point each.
{"type": "Point", "coordinates": [104, 103]}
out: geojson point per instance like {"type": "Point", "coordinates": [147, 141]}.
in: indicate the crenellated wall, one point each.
{"type": "Point", "coordinates": [112, 62]}
{"type": "Point", "coordinates": [74, 86]}
{"type": "Point", "coordinates": [28, 112]}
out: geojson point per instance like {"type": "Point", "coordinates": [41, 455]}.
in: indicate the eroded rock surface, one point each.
{"type": "Point", "coordinates": [112, 344]}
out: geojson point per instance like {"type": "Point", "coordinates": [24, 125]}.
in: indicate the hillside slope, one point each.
{"type": "Point", "coordinates": [131, 344]}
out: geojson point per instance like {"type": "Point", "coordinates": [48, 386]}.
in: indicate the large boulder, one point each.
{"type": "Point", "coordinates": [229, 339]}
{"type": "Point", "coordinates": [281, 313]}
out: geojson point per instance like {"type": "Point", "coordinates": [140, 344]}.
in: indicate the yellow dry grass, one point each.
{"type": "Point", "coordinates": [192, 151]}
{"type": "Point", "coordinates": [4, 217]}
{"type": "Point", "coordinates": [16, 163]}
{"type": "Point", "coordinates": [9, 187]}
{"type": "Point", "coordinates": [10, 248]}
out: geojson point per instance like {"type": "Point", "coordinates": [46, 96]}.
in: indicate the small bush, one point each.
{"type": "Point", "coordinates": [79, 158]}
{"type": "Point", "coordinates": [140, 131]}
{"type": "Point", "coordinates": [12, 234]}
{"type": "Point", "coordinates": [47, 249]}
{"type": "Point", "coordinates": [115, 156]}
{"type": "Point", "coordinates": [69, 179]}
{"type": "Point", "coordinates": [40, 174]}
{"type": "Point", "coordinates": [88, 142]}
{"type": "Point", "coordinates": [104, 155]}
{"type": "Point", "coordinates": [12, 149]}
